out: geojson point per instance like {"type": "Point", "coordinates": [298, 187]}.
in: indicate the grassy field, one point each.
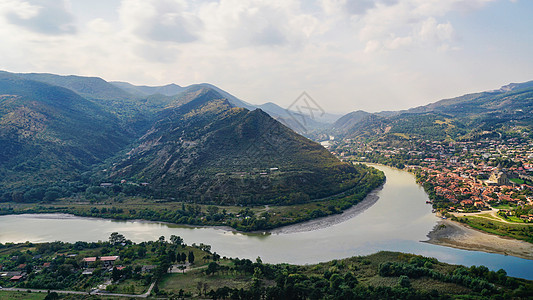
{"type": "Point", "coordinates": [195, 281]}
{"type": "Point", "coordinates": [6, 295]}
{"type": "Point", "coordinates": [502, 206]}
{"type": "Point", "coordinates": [520, 231]}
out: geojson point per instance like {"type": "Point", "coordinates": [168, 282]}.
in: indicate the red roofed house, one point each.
{"type": "Point", "coordinates": [89, 260]}
{"type": "Point", "coordinates": [109, 260]}
{"type": "Point", "coordinates": [467, 202]}
{"type": "Point", "coordinates": [16, 278]}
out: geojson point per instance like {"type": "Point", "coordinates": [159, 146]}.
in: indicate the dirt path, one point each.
{"type": "Point", "coordinates": [494, 213]}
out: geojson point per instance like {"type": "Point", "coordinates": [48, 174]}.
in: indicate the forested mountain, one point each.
{"type": "Point", "coordinates": [466, 117]}
{"type": "Point", "coordinates": [207, 150]}
{"type": "Point", "coordinates": [63, 134]}
{"type": "Point", "coordinates": [49, 133]}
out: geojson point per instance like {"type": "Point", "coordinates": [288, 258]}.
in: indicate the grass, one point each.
{"type": "Point", "coordinates": [8, 295]}
{"type": "Point", "coordinates": [517, 180]}
{"type": "Point", "coordinates": [516, 219]}
{"type": "Point", "coordinates": [517, 231]}
{"type": "Point", "coordinates": [502, 206]}
{"type": "Point", "coordinates": [124, 287]}
{"type": "Point", "coordinates": [190, 281]}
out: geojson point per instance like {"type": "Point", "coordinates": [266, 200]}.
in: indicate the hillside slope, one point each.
{"type": "Point", "coordinates": [49, 133]}
{"type": "Point", "coordinates": [207, 150]}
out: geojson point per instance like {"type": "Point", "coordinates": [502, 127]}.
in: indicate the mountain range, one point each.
{"type": "Point", "coordinates": [462, 118]}
{"type": "Point", "coordinates": [62, 134]}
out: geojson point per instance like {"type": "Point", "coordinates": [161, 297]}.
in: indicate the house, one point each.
{"type": "Point", "coordinates": [88, 260]}
{"type": "Point", "coordinates": [16, 278]}
{"type": "Point", "coordinates": [109, 260]}
{"type": "Point", "coordinates": [479, 204]}
{"type": "Point", "coordinates": [467, 202]}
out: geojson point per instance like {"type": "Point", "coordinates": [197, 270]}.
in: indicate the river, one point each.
{"type": "Point", "coordinates": [398, 221]}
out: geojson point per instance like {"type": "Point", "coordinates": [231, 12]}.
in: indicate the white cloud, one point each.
{"type": "Point", "coordinates": [160, 20]}
{"type": "Point", "coordinates": [51, 17]}
{"type": "Point", "coordinates": [411, 23]}
{"type": "Point", "coordinates": [234, 23]}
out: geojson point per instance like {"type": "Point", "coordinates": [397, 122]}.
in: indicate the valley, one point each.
{"type": "Point", "coordinates": [197, 156]}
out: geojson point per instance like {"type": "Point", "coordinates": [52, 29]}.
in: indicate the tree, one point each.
{"type": "Point", "coordinates": [191, 257]}
{"type": "Point", "coordinates": [212, 210]}
{"type": "Point", "coordinates": [212, 268]}
{"type": "Point", "coordinates": [115, 274]}
{"type": "Point", "coordinates": [176, 240]}
{"type": "Point", "coordinates": [116, 238]}
{"type": "Point", "coordinates": [199, 286]}
{"type": "Point", "coordinates": [404, 281]}
{"type": "Point", "coordinates": [51, 296]}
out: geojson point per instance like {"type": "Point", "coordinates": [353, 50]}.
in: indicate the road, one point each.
{"type": "Point", "coordinates": [145, 295]}
{"type": "Point", "coordinates": [493, 212]}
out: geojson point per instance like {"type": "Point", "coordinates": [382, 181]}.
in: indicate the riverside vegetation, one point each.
{"type": "Point", "coordinates": [183, 271]}
{"type": "Point", "coordinates": [114, 203]}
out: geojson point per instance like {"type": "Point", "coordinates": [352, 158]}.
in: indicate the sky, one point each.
{"type": "Point", "coordinates": [346, 54]}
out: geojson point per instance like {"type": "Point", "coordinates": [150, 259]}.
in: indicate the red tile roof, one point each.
{"type": "Point", "coordinates": [108, 258]}
{"type": "Point", "coordinates": [89, 259]}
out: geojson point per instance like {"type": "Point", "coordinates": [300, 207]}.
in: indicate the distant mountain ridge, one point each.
{"type": "Point", "coordinates": [462, 117]}
{"type": "Point", "coordinates": [167, 90]}
{"type": "Point", "coordinates": [125, 98]}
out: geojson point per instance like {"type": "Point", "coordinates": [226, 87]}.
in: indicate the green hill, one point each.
{"type": "Point", "coordinates": [49, 134]}
{"type": "Point", "coordinates": [209, 151]}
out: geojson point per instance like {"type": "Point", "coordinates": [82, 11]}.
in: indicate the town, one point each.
{"type": "Point", "coordinates": [491, 174]}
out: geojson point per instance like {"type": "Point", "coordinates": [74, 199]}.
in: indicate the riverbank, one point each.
{"type": "Point", "coordinates": [257, 218]}
{"type": "Point", "coordinates": [331, 220]}
{"type": "Point", "coordinates": [452, 234]}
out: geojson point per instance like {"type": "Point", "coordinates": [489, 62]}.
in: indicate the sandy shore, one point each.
{"type": "Point", "coordinates": [452, 234]}
{"type": "Point", "coordinates": [327, 221]}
